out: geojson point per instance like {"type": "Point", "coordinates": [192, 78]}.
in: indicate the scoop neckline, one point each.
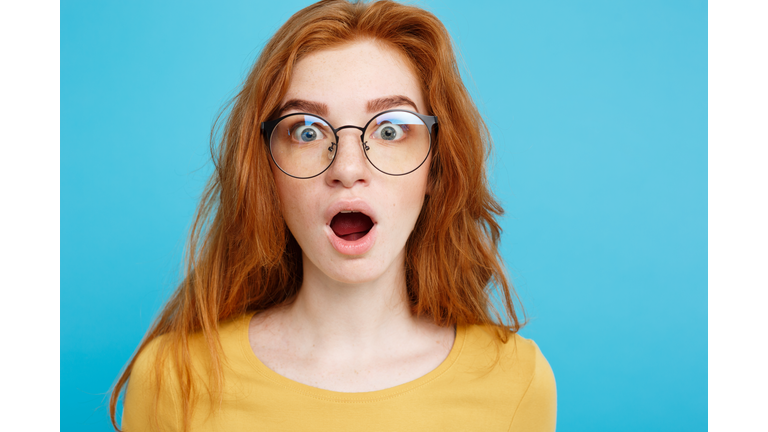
{"type": "Point", "coordinates": [353, 397]}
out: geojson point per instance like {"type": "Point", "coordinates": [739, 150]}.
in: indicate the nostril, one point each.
{"type": "Point", "coordinates": [348, 162]}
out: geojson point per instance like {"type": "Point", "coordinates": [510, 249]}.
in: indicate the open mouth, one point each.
{"type": "Point", "coordinates": [351, 225]}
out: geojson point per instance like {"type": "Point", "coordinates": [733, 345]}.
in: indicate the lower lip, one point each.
{"type": "Point", "coordinates": [356, 247]}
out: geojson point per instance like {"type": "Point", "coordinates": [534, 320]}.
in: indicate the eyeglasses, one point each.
{"type": "Point", "coordinates": [395, 142]}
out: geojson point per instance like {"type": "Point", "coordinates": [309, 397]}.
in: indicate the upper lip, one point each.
{"type": "Point", "coordinates": [354, 204]}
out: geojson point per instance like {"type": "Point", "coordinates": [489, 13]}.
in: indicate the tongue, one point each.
{"type": "Point", "coordinates": [351, 226]}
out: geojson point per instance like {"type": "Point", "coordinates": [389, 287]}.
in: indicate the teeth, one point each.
{"type": "Point", "coordinates": [348, 211]}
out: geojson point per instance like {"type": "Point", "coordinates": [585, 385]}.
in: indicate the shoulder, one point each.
{"type": "Point", "coordinates": [537, 410]}
{"type": "Point", "coordinates": [151, 396]}
{"type": "Point", "coordinates": [156, 357]}
{"type": "Point", "coordinates": [515, 350]}
{"type": "Point", "coordinates": [154, 396]}
{"type": "Point", "coordinates": [521, 375]}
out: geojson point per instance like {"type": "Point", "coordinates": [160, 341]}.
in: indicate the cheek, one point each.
{"type": "Point", "coordinates": [301, 209]}
{"type": "Point", "coordinates": [292, 196]}
{"type": "Point", "coordinates": [409, 195]}
{"type": "Point", "coordinates": [421, 182]}
{"type": "Point", "coordinates": [420, 188]}
{"type": "Point", "coordinates": [282, 189]}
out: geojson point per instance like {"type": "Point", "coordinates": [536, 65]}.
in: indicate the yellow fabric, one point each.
{"type": "Point", "coordinates": [476, 388]}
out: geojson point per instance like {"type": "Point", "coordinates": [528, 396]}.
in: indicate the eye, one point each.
{"type": "Point", "coordinates": [307, 133]}
{"type": "Point", "coordinates": [389, 132]}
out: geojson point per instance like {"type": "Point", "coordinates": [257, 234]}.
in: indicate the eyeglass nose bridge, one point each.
{"type": "Point", "coordinates": [362, 135]}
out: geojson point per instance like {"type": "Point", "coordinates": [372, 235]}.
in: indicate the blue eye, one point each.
{"type": "Point", "coordinates": [389, 132]}
{"type": "Point", "coordinates": [307, 133]}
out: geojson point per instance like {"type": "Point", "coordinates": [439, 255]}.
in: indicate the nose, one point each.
{"type": "Point", "coordinates": [350, 166]}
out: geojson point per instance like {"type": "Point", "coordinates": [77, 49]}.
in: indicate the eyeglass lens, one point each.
{"type": "Point", "coordinates": [395, 142]}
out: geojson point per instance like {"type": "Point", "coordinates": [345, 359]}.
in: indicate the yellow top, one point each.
{"type": "Point", "coordinates": [476, 388]}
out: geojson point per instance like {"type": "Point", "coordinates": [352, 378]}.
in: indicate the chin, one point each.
{"type": "Point", "coordinates": [358, 270]}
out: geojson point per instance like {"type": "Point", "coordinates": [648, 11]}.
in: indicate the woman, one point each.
{"type": "Point", "coordinates": [342, 262]}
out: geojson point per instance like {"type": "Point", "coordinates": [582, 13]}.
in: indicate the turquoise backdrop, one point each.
{"type": "Point", "coordinates": [598, 110]}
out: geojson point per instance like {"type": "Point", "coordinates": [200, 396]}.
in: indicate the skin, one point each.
{"type": "Point", "coordinates": [350, 328]}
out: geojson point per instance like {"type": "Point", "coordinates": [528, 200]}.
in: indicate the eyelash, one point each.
{"type": "Point", "coordinates": [404, 127]}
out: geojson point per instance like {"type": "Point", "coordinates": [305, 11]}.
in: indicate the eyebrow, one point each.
{"type": "Point", "coordinates": [321, 109]}
{"type": "Point", "coordinates": [385, 103]}
{"type": "Point", "coordinates": [318, 108]}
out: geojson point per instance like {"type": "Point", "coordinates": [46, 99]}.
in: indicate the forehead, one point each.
{"type": "Point", "coordinates": [347, 77]}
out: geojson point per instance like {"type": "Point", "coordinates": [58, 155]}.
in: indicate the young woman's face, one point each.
{"type": "Point", "coordinates": [348, 86]}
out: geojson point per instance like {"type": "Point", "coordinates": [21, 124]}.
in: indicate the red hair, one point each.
{"type": "Point", "coordinates": [241, 256]}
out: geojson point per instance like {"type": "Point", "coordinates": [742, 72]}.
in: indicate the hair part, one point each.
{"type": "Point", "coordinates": [241, 256]}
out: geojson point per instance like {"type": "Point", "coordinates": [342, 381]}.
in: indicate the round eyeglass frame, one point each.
{"type": "Point", "coordinates": [268, 127]}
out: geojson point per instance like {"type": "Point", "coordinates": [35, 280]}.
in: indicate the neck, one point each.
{"type": "Point", "coordinates": [360, 316]}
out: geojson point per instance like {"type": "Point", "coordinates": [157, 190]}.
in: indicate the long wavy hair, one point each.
{"type": "Point", "coordinates": [241, 256]}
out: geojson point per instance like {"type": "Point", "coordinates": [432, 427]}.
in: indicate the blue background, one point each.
{"type": "Point", "coordinates": [598, 111]}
